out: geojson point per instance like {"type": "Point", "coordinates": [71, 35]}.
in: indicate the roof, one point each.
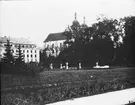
{"type": "Point", "coordinates": [55, 37]}
{"type": "Point", "coordinates": [15, 40]}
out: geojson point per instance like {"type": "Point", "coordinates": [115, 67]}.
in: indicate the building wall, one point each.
{"type": "Point", "coordinates": [56, 43]}
{"type": "Point", "coordinates": [30, 51]}
{"type": "Point", "coordinates": [53, 47]}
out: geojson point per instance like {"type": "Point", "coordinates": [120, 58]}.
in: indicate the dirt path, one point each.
{"type": "Point", "coordinates": [111, 98]}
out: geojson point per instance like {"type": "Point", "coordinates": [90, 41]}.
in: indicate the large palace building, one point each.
{"type": "Point", "coordinates": [30, 50]}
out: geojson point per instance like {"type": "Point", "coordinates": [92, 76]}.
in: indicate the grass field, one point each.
{"type": "Point", "coordinates": [61, 76]}
{"type": "Point", "coordinates": [78, 75]}
{"type": "Point", "coordinates": [58, 85]}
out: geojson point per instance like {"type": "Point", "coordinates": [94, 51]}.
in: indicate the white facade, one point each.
{"type": "Point", "coordinates": [56, 43]}
{"type": "Point", "coordinates": [30, 51]}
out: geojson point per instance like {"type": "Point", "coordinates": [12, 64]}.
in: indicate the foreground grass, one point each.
{"type": "Point", "coordinates": [40, 96]}
{"type": "Point", "coordinates": [53, 86]}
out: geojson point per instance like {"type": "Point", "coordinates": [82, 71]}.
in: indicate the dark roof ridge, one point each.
{"type": "Point", "coordinates": [56, 33]}
{"type": "Point", "coordinates": [55, 37]}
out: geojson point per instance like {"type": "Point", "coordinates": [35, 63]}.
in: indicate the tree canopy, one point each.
{"type": "Point", "coordinates": [8, 55]}
{"type": "Point", "coordinates": [108, 41]}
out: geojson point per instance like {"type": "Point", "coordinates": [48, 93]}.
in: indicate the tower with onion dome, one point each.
{"type": "Point", "coordinates": [75, 25]}
{"type": "Point", "coordinates": [84, 25]}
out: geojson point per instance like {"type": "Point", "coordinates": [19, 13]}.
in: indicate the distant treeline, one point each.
{"type": "Point", "coordinates": [108, 42]}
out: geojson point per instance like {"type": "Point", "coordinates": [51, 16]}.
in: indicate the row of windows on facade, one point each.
{"type": "Point", "coordinates": [54, 45]}
{"type": "Point", "coordinates": [24, 51]}
{"type": "Point", "coordinates": [31, 56]}
{"type": "Point", "coordinates": [31, 60]}
{"type": "Point", "coordinates": [23, 46]}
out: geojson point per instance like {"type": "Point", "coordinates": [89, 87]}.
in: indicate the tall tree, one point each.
{"type": "Point", "coordinates": [104, 37]}
{"type": "Point", "coordinates": [125, 53]}
{"type": "Point", "coordinates": [8, 56]}
{"type": "Point", "coordinates": [44, 58]}
{"type": "Point", "coordinates": [91, 44]}
{"type": "Point", "coordinates": [7, 64]}
{"type": "Point", "coordinates": [19, 56]}
{"type": "Point", "coordinates": [75, 40]}
{"type": "Point", "coordinates": [129, 40]}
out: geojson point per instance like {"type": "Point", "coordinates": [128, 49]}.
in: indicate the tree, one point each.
{"type": "Point", "coordinates": [75, 40]}
{"type": "Point", "coordinates": [19, 57]}
{"type": "Point", "coordinates": [8, 56]}
{"type": "Point", "coordinates": [44, 60]}
{"type": "Point", "coordinates": [104, 37]}
{"type": "Point", "coordinates": [7, 64]}
{"type": "Point", "coordinates": [128, 40]}
{"type": "Point", "coordinates": [125, 53]}
{"type": "Point", "coordinates": [109, 41]}
{"type": "Point", "coordinates": [91, 44]}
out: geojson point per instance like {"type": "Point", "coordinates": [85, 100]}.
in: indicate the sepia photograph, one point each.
{"type": "Point", "coordinates": [67, 52]}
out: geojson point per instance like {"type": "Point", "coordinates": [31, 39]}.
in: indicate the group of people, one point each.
{"type": "Point", "coordinates": [70, 91]}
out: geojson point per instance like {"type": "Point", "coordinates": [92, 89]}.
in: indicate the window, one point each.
{"type": "Point", "coordinates": [27, 55]}
{"type": "Point", "coordinates": [31, 55]}
{"type": "Point", "coordinates": [27, 51]}
{"type": "Point", "coordinates": [31, 51]}
{"type": "Point", "coordinates": [35, 51]}
{"type": "Point", "coordinates": [23, 51]}
{"type": "Point", "coordinates": [35, 56]}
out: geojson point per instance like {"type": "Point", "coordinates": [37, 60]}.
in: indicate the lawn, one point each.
{"type": "Point", "coordinates": [56, 85]}
{"type": "Point", "coordinates": [64, 76]}
{"type": "Point", "coordinates": [79, 75]}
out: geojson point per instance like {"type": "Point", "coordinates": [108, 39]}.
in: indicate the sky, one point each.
{"type": "Point", "coordinates": [36, 19]}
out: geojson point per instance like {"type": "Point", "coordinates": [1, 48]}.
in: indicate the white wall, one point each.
{"type": "Point", "coordinates": [56, 43]}
{"type": "Point", "coordinates": [26, 59]}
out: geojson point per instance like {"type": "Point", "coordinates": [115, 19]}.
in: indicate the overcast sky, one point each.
{"type": "Point", "coordinates": [37, 18]}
